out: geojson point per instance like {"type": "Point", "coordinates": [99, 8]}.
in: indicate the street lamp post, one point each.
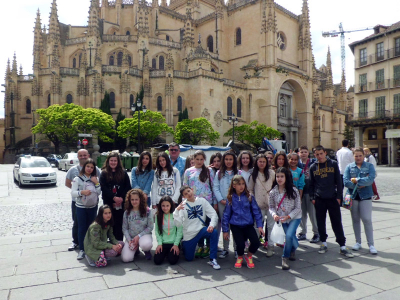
{"type": "Point", "coordinates": [90, 51]}
{"type": "Point", "coordinates": [233, 121]}
{"type": "Point", "coordinates": [138, 106]}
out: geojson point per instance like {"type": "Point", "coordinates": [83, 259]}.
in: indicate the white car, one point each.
{"type": "Point", "coordinates": [68, 161]}
{"type": "Point", "coordinates": [34, 170]}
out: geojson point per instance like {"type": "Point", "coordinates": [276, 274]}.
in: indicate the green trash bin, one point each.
{"type": "Point", "coordinates": [127, 162]}
{"type": "Point", "coordinates": [100, 161]}
{"type": "Point", "coordinates": [135, 160]}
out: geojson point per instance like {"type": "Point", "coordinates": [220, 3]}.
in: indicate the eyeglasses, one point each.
{"type": "Point", "coordinates": [173, 150]}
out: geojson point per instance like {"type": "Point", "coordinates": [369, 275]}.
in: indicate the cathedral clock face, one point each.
{"type": "Point", "coordinates": [281, 41]}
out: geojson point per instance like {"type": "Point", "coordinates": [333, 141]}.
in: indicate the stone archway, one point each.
{"type": "Point", "coordinates": [293, 115]}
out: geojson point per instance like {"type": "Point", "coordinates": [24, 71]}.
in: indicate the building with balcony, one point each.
{"type": "Point", "coordinates": [251, 58]}
{"type": "Point", "coordinates": [376, 117]}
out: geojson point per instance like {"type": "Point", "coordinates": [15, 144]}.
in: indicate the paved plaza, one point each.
{"type": "Point", "coordinates": [35, 264]}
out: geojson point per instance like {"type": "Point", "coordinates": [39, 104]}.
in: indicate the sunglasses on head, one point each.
{"type": "Point", "coordinates": [174, 150]}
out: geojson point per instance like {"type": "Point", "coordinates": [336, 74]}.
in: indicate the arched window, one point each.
{"type": "Point", "coordinates": [74, 63]}
{"type": "Point", "coordinates": [154, 63]}
{"type": "Point", "coordinates": [323, 123]}
{"type": "Point", "coordinates": [229, 105]}
{"type": "Point", "coordinates": [179, 103]}
{"type": "Point", "coordinates": [131, 100]}
{"type": "Point", "coordinates": [111, 60]}
{"type": "Point", "coordinates": [119, 59]}
{"type": "Point", "coordinates": [112, 100]}
{"type": "Point", "coordinates": [238, 36]}
{"type": "Point", "coordinates": [48, 100]}
{"type": "Point", "coordinates": [80, 59]}
{"type": "Point", "coordinates": [340, 125]}
{"type": "Point", "coordinates": [239, 108]}
{"type": "Point", "coordinates": [210, 43]}
{"type": "Point", "coordinates": [28, 106]}
{"type": "Point", "coordinates": [159, 103]}
{"type": "Point", "coordinates": [128, 33]}
{"type": "Point", "coordinates": [114, 33]}
{"type": "Point", "coordinates": [250, 100]}
{"type": "Point", "coordinates": [130, 60]}
{"type": "Point", "coordinates": [69, 98]}
{"type": "Point", "coordinates": [161, 63]}
{"type": "Point", "coordinates": [167, 37]}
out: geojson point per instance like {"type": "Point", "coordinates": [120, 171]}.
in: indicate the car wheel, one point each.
{"type": "Point", "coordinates": [19, 181]}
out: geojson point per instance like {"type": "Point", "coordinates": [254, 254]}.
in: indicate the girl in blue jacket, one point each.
{"type": "Point", "coordinates": [143, 174]}
{"type": "Point", "coordinates": [240, 213]}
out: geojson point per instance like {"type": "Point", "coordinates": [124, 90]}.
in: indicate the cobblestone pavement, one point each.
{"type": "Point", "coordinates": [35, 263]}
{"type": "Point", "coordinates": [36, 209]}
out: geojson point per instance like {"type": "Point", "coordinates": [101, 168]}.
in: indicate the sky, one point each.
{"type": "Point", "coordinates": [19, 17]}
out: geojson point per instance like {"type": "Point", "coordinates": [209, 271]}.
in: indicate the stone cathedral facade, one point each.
{"type": "Point", "coordinates": [251, 58]}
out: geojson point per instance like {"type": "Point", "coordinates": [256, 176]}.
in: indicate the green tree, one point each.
{"type": "Point", "coordinates": [183, 115]}
{"type": "Point", "coordinates": [62, 123]}
{"type": "Point", "coordinates": [349, 135]}
{"type": "Point", "coordinates": [253, 133]}
{"type": "Point", "coordinates": [195, 131]}
{"type": "Point", "coordinates": [105, 104]}
{"type": "Point", "coordinates": [152, 124]}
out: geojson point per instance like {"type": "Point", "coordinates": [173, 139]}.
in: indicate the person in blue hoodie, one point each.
{"type": "Point", "coordinates": [143, 174]}
{"type": "Point", "coordinates": [221, 183]}
{"type": "Point", "coordinates": [360, 175]}
{"type": "Point", "coordinates": [297, 173]}
{"type": "Point", "coordinates": [240, 213]}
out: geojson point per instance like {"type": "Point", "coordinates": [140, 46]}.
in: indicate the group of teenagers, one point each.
{"type": "Point", "coordinates": [189, 203]}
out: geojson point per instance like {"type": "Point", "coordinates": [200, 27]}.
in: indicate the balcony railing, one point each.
{"type": "Point", "coordinates": [111, 69]}
{"type": "Point", "coordinates": [375, 57]}
{"type": "Point", "coordinates": [393, 114]}
{"type": "Point", "coordinates": [377, 85]}
{"type": "Point", "coordinates": [165, 43]}
{"type": "Point", "coordinates": [119, 38]}
{"type": "Point", "coordinates": [135, 72]}
{"type": "Point", "coordinates": [181, 74]}
{"type": "Point", "coordinates": [69, 71]}
{"type": "Point", "coordinates": [75, 41]}
{"type": "Point", "coordinates": [25, 78]}
{"type": "Point", "coordinates": [288, 122]}
{"type": "Point", "coordinates": [234, 83]}
{"type": "Point", "coordinates": [157, 73]}
{"type": "Point", "coordinates": [45, 72]}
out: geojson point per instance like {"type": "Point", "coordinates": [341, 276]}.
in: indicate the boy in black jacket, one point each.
{"type": "Point", "coordinates": [325, 193]}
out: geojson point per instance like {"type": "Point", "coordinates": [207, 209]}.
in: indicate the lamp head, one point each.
{"type": "Point", "coordinates": [133, 107]}
{"type": "Point", "coordinates": [144, 108]}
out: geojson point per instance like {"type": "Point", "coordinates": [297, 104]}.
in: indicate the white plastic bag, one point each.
{"type": "Point", "coordinates": [278, 234]}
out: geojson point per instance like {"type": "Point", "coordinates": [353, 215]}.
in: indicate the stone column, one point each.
{"type": "Point", "coordinates": [358, 136]}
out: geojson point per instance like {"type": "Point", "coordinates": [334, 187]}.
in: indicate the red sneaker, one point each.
{"type": "Point", "coordinates": [239, 262]}
{"type": "Point", "coordinates": [249, 261]}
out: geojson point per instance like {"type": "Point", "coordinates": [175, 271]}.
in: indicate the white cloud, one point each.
{"type": "Point", "coordinates": [19, 16]}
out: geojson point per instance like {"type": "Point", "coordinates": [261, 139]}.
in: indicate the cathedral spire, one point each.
{"type": "Point", "coordinates": [343, 83]}
{"type": "Point", "coordinates": [8, 70]}
{"type": "Point", "coordinates": [14, 70]}
{"type": "Point", "coordinates": [93, 23]}
{"type": "Point", "coordinates": [37, 41]}
{"type": "Point", "coordinates": [305, 19]}
{"type": "Point", "coordinates": [21, 72]}
{"type": "Point", "coordinates": [54, 28]}
{"type": "Point", "coordinates": [329, 81]}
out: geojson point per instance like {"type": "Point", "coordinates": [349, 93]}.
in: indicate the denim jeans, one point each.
{"type": "Point", "coordinates": [190, 246]}
{"type": "Point", "coordinates": [292, 242]}
{"type": "Point", "coordinates": [75, 223]}
{"type": "Point", "coordinates": [85, 217]}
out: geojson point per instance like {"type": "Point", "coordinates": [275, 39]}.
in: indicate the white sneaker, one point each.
{"type": "Point", "coordinates": [372, 250]}
{"type": "Point", "coordinates": [236, 255]}
{"type": "Point", "coordinates": [81, 255]}
{"type": "Point", "coordinates": [356, 247]}
{"type": "Point", "coordinates": [214, 264]}
{"type": "Point", "coordinates": [90, 261]}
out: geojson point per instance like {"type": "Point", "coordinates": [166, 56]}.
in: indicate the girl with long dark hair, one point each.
{"type": "Point", "coordinates": [280, 160]}
{"type": "Point", "coordinates": [142, 176]}
{"type": "Point", "coordinates": [285, 207]}
{"type": "Point", "coordinates": [245, 164]}
{"type": "Point", "coordinates": [215, 162]}
{"type": "Point", "coordinates": [137, 226]}
{"type": "Point", "coordinates": [221, 184]}
{"type": "Point", "coordinates": [115, 183]}
{"type": "Point", "coordinates": [168, 234]}
{"type": "Point", "coordinates": [166, 181]}
{"type": "Point", "coordinates": [96, 246]}
{"type": "Point", "coordinates": [260, 184]}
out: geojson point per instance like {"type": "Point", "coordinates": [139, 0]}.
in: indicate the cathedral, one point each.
{"type": "Point", "coordinates": [248, 58]}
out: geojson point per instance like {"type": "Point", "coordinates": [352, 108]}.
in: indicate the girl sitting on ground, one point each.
{"type": "Point", "coordinates": [97, 249]}
{"type": "Point", "coordinates": [137, 226]}
{"type": "Point", "coordinates": [168, 235]}
{"type": "Point", "coordinates": [240, 214]}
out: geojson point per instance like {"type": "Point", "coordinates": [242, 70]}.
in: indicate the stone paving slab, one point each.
{"type": "Point", "coordinates": [146, 291]}
{"type": "Point", "coordinates": [59, 289]}
{"type": "Point", "coordinates": [26, 280]}
{"type": "Point", "coordinates": [209, 294]}
{"type": "Point", "coordinates": [391, 294]}
{"type": "Point", "coordinates": [383, 278]}
{"type": "Point", "coordinates": [264, 286]}
{"type": "Point", "coordinates": [4, 294]}
{"type": "Point", "coordinates": [338, 289]}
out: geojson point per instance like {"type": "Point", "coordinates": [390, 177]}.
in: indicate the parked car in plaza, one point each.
{"type": "Point", "coordinates": [54, 159]}
{"type": "Point", "coordinates": [68, 161]}
{"type": "Point", "coordinates": [34, 170]}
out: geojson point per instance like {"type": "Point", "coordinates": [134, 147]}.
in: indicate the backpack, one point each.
{"type": "Point", "coordinates": [92, 199]}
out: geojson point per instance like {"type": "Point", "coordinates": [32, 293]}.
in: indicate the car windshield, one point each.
{"type": "Point", "coordinates": [37, 163]}
{"type": "Point", "coordinates": [58, 156]}
{"type": "Point", "coordinates": [72, 155]}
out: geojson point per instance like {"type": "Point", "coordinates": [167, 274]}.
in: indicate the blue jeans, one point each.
{"type": "Point", "coordinates": [189, 247]}
{"type": "Point", "coordinates": [292, 242]}
{"type": "Point", "coordinates": [85, 217]}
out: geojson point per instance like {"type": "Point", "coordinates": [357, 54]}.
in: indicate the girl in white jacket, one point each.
{"type": "Point", "coordinates": [167, 180]}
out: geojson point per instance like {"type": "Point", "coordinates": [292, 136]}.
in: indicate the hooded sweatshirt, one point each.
{"type": "Point", "coordinates": [325, 180]}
